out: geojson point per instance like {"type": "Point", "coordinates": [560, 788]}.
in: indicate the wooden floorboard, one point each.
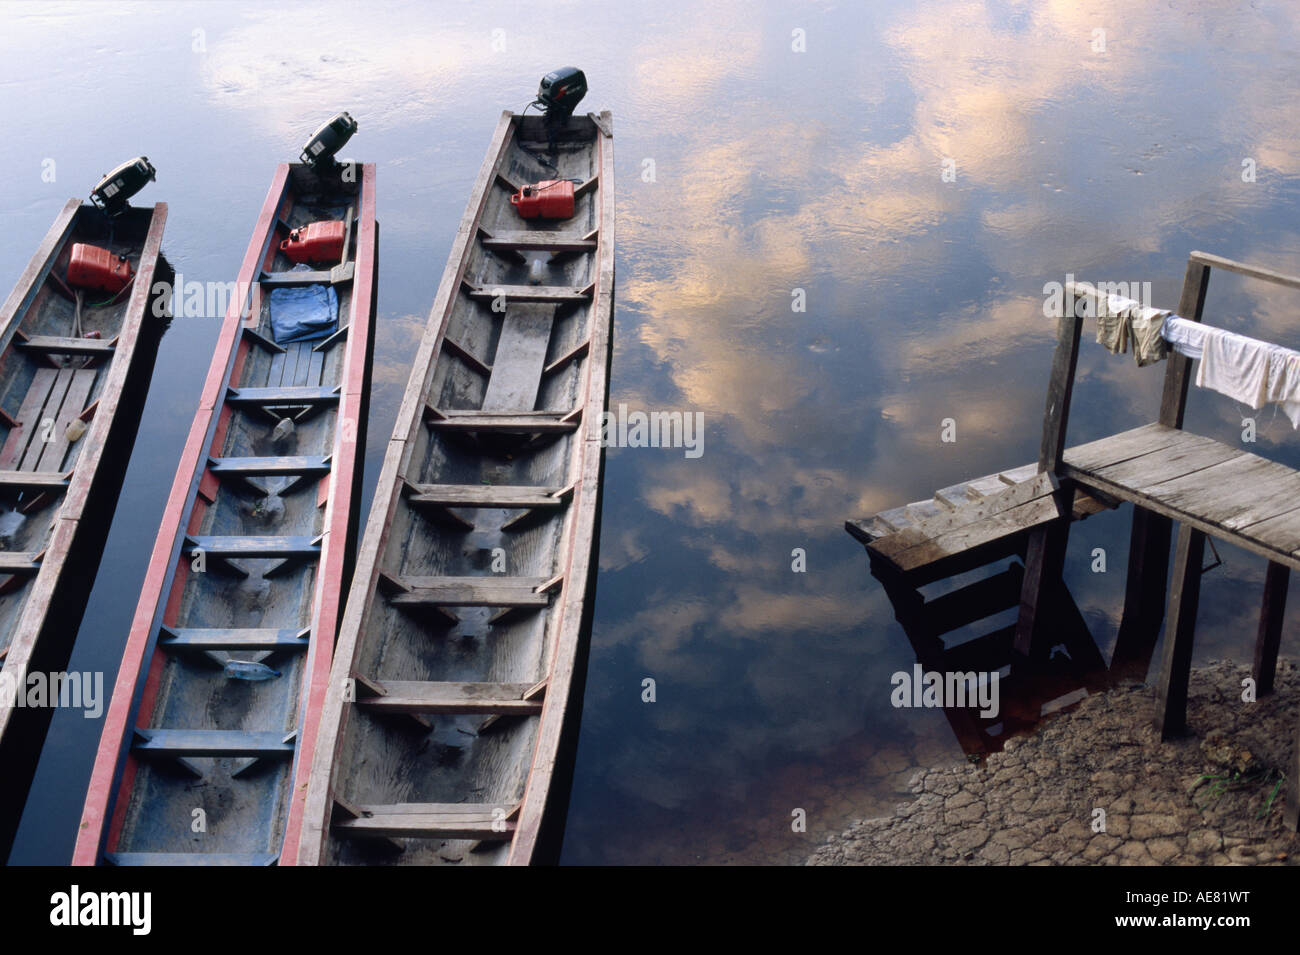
{"type": "Point", "coordinates": [519, 359]}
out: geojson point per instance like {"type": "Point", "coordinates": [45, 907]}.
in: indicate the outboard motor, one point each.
{"type": "Point", "coordinates": [560, 91]}
{"type": "Point", "coordinates": [327, 141]}
{"type": "Point", "coordinates": [113, 191]}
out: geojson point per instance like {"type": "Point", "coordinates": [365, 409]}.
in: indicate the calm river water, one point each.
{"type": "Point", "coordinates": [793, 264]}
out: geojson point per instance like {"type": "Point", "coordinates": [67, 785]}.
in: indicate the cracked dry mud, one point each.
{"type": "Point", "coordinates": [1197, 800]}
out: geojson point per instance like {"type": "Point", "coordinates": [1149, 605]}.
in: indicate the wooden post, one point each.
{"type": "Point", "coordinates": [1271, 613]}
{"type": "Point", "coordinates": [1045, 554]}
{"type": "Point", "coordinates": [1191, 306]}
{"type": "Point", "coordinates": [1176, 666]}
{"type": "Point", "coordinates": [1292, 814]}
{"type": "Point", "coordinates": [1144, 593]}
{"type": "Point", "coordinates": [1148, 557]}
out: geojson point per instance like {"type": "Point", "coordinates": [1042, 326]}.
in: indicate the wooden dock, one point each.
{"type": "Point", "coordinates": [1209, 488]}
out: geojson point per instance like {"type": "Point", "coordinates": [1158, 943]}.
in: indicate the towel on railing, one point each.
{"type": "Point", "coordinates": [1251, 371]}
{"type": "Point", "coordinates": [1123, 324]}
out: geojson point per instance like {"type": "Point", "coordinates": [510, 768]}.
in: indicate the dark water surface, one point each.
{"type": "Point", "coordinates": [773, 170]}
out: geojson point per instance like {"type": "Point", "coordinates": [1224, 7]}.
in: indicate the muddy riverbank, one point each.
{"type": "Point", "coordinates": [1094, 786]}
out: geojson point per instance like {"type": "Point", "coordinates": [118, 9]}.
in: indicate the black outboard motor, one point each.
{"type": "Point", "coordinates": [327, 141]}
{"type": "Point", "coordinates": [121, 184]}
{"type": "Point", "coordinates": [560, 91]}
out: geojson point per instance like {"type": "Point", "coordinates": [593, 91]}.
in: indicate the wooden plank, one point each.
{"type": "Point", "coordinates": [1241, 268]}
{"type": "Point", "coordinates": [303, 368]}
{"type": "Point", "coordinates": [270, 466]}
{"type": "Point", "coordinates": [1226, 489]}
{"type": "Point", "coordinates": [1127, 445]}
{"type": "Point", "coordinates": [217, 743]}
{"type": "Point", "coordinates": [57, 345]}
{"type": "Point", "coordinates": [1187, 457]}
{"type": "Point", "coordinates": [43, 424]}
{"type": "Point", "coordinates": [255, 547]}
{"type": "Point", "coordinates": [248, 638]}
{"type": "Point", "coordinates": [413, 696]}
{"type": "Point", "coordinates": [505, 423]}
{"type": "Point", "coordinates": [1268, 640]}
{"type": "Point", "coordinates": [486, 495]}
{"type": "Point", "coordinates": [289, 367]}
{"type": "Point", "coordinates": [975, 601]}
{"type": "Point", "coordinates": [190, 858]}
{"type": "Point", "coordinates": [17, 562]}
{"type": "Point", "coordinates": [477, 821]}
{"type": "Point", "coordinates": [304, 395]}
{"type": "Point", "coordinates": [74, 403]}
{"type": "Point", "coordinates": [22, 480]}
{"type": "Point", "coordinates": [992, 529]}
{"type": "Point", "coordinates": [519, 359]}
{"type": "Point", "coordinates": [465, 355]}
{"type": "Point", "coordinates": [29, 419]}
{"type": "Point", "coordinates": [1176, 664]}
{"type": "Point", "coordinates": [971, 514]}
{"type": "Point", "coordinates": [471, 592]}
{"type": "Point", "coordinates": [514, 294]}
{"type": "Point", "coordinates": [538, 241]}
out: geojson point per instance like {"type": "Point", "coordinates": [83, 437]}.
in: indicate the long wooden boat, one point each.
{"type": "Point", "coordinates": [207, 742]}
{"type": "Point", "coordinates": [452, 675]}
{"type": "Point", "coordinates": [74, 366]}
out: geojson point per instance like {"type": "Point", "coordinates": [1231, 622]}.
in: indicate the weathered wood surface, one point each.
{"type": "Point", "coordinates": [1176, 664]}
{"type": "Point", "coordinates": [520, 356]}
{"type": "Point", "coordinates": [413, 696]}
{"type": "Point", "coordinates": [430, 821]}
{"type": "Point", "coordinates": [1231, 494]}
{"type": "Point", "coordinates": [486, 495]}
{"type": "Point", "coordinates": [1269, 638]}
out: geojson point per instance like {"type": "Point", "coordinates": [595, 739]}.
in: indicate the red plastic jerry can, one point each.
{"type": "Point", "coordinates": [98, 269]}
{"type": "Point", "coordinates": [315, 242]}
{"type": "Point", "coordinates": [548, 199]}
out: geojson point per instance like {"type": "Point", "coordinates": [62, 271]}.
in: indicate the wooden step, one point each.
{"type": "Point", "coordinates": [412, 696]}
{"type": "Point", "coordinates": [531, 293]}
{"type": "Point", "coordinates": [192, 638]}
{"type": "Point", "coordinates": [21, 480]}
{"type": "Point", "coordinates": [299, 395]}
{"type": "Point", "coordinates": [470, 592]}
{"type": "Point", "coordinates": [310, 464]}
{"type": "Point", "coordinates": [432, 820]}
{"type": "Point", "coordinates": [217, 743]}
{"type": "Point", "coordinates": [191, 858]}
{"type": "Point", "coordinates": [487, 495]}
{"type": "Point", "coordinates": [342, 272]}
{"type": "Point", "coordinates": [548, 422]}
{"type": "Point", "coordinates": [255, 548]}
{"type": "Point", "coordinates": [57, 345]}
{"type": "Point", "coordinates": [528, 241]}
{"type": "Point", "coordinates": [18, 562]}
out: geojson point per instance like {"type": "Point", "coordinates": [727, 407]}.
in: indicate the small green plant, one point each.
{"type": "Point", "coordinates": [1221, 783]}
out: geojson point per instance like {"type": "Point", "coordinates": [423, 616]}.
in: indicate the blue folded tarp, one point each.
{"type": "Point", "coordinates": [304, 313]}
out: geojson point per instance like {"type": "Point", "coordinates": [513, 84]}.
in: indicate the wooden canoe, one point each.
{"type": "Point", "coordinates": [197, 765]}
{"type": "Point", "coordinates": [452, 675]}
{"type": "Point", "coordinates": [57, 490]}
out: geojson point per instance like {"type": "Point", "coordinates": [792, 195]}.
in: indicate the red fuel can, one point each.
{"type": "Point", "coordinates": [315, 242]}
{"type": "Point", "coordinates": [548, 199]}
{"type": "Point", "coordinates": [99, 269]}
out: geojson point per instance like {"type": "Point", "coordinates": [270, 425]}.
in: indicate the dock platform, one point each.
{"type": "Point", "coordinates": [1209, 488]}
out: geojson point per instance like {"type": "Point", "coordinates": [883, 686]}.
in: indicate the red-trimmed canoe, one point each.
{"type": "Point", "coordinates": [452, 678]}
{"type": "Point", "coordinates": [207, 742]}
{"type": "Point", "coordinates": [70, 357]}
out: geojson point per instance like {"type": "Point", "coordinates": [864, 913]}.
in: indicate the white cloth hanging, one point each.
{"type": "Point", "coordinates": [1246, 369]}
